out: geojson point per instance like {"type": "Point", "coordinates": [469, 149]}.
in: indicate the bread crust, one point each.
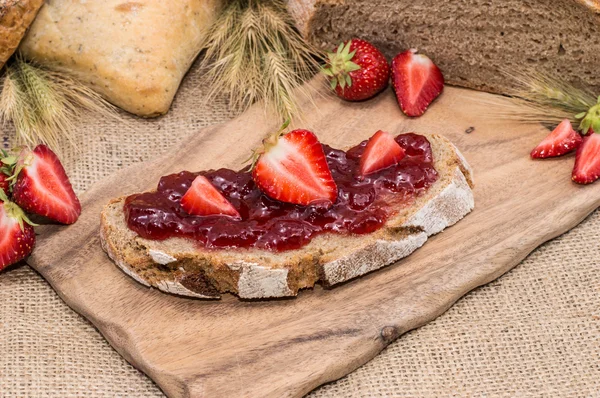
{"type": "Point", "coordinates": [15, 18]}
{"type": "Point", "coordinates": [172, 265]}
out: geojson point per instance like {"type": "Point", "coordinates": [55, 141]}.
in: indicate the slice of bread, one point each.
{"type": "Point", "coordinates": [180, 266]}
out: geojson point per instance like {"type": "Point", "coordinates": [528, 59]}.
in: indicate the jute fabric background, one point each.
{"type": "Point", "coordinates": [534, 332]}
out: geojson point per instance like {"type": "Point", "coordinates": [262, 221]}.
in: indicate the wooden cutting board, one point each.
{"type": "Point", "coordinates": [233, 348]}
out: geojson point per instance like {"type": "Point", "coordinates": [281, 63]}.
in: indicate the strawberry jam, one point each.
{"type": "Point", "coordinates": [363, 204]}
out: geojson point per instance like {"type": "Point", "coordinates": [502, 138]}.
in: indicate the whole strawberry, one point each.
{"type": "Point", "coordinates": [357, 70]}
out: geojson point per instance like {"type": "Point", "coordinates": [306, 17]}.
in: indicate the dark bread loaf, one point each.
{"type": "Point", "coordinates": [179, 266]}
{"type": "Point", "coordinates": [468, 39]}
{"type": "Point", "coordinates": [15, 18]}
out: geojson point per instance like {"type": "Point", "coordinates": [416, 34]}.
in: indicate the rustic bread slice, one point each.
{"type": "Point", "coordinates": [179, 266]}
{"type": "Point", "coordinates": [469, 40]}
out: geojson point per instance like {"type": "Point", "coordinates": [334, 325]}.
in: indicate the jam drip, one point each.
{"type": "Point", "coordinates": [363, 204]}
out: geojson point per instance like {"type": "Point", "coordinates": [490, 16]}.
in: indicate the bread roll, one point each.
{"type": "Point", "coordinates": [134, 53]}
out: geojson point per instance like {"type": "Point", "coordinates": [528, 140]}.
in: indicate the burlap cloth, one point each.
{"type": "Point", "coordinates": [533, 332]}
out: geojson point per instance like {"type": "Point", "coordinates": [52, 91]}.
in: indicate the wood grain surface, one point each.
{"type": "Point", "coordinates": [288, 347]}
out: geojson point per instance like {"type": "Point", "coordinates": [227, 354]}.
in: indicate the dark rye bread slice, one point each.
{"type": "Point", "coordinates": [470, 40]}
{"type": "Point", "coordinates": [179, 266]}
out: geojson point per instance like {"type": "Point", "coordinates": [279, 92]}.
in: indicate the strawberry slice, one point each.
{"type": "Point", "coordinates": [587, 160]}
{"type": "Point", "coordinates": [381, 152]}
{"type": "Point", "coordinates": [42, 186]}
{"type": "Point", "coordinates": [292, 168]}
{"type": "Point", "coordinates": [417, 82]}
{"type": "Point", "coordinates": [563, 139]}
{"type": "Point", "coordinates": [203, 199]}
{"type": "Point", "coordinates": [17, 238]}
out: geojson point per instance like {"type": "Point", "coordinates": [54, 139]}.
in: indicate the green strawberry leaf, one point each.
{"type": "Point", "coordinates": [350, 56]}
{"type": "Point", "coordinates": [333, 83]}
{"type": "Point", "coordinates": [9, 160]}
{"type": "Point", "coordinates": [351, 66]}
{"type": "Point", "coordinates": [346, 50]}
{"type": "Point", "coordinates": [591, 120]}
{"type": "Point", "coordinates": [327, 72]}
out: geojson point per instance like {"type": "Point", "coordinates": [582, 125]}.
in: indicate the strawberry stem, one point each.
{"type": "Point", "coordinates": [285, 124]}
{"type": "Point", "coordinates": [267, 143]}
{"type": "Point", "coordinates": [340, 65]}
{"type": "Point", "coordinates": [14, 211]}
{"type": "Point", "coordinates": [590, 119]}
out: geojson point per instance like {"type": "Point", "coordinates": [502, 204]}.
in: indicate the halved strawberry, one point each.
{"type": "Point", "coordinates": [381, 152]}
{"type": "Point", "coordinates": [17, 238]}
{"type": "Point", "coordinates": [587, 160]}
{"type": "Point", "coordinates": [203, 199]}
{"type": "Point", "coordinates": [563, 139]}
{"type": "Point", "coordinates": [417, 82]}
{"type": "Point", "coordinates": [42, 186]}
{"type": "Point", "coordinates": [292, 168]}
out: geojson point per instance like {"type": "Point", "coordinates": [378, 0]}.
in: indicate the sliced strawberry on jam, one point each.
{"type": "Point", "coordinates": [203, 199]}
{"type": "Point", "coordinates": [563, 139]}
{"type": "Point", "coordinates": [587, 160]}
{"type": "Point", "coordinates": [381, 152]}
{"type": "Point", "coordinates": [292, 168]}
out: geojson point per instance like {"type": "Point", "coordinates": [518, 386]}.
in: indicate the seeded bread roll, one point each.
{"type": "Point", "coordinates": [134, 53]}
{"type": "Point", "coordinates": [179, 266]}
{"type": "Point", "coordinates": [468, 39]}
{"type": "Point", "coordinates": [15, 18]}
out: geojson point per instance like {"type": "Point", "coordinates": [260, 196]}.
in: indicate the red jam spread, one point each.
{"type": "Point", "coordinates": [363, 205]}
